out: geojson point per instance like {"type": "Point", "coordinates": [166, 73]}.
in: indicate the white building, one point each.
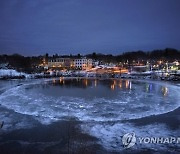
{"type": "Point", "coordinates": [83, 63]}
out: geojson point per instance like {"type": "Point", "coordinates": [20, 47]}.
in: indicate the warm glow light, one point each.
{"type": "Point", "coordinates": [121, 71]}
{"type": "Point", "coordinates": [114, 82]}
{"type": "Point", "coordinates": [112, 86]}
{"type": "Point", "coordinates": [61, 79]}
{"type": "Point", "coordinates": [86, 82]}
{"type": "Point", "coordinates": [127, 83]}
{"type": "Point", "coordinates": [165, 91]}
{"type": "Point", "coordinates": [54, 81]}
{"type": "Point", "coordinates": [120, 84]}
{"type": "Point", "coordinates": [95, 83]}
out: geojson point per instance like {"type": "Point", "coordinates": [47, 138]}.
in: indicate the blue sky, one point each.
{"type": "Point", "coordinates": [85, 26]}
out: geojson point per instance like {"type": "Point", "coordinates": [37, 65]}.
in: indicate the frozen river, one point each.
{"type": "Point", "coordinates": [104, 110]}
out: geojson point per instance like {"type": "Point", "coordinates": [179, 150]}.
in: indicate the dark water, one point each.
{"type": "Point", "coordinates": [87, 115]}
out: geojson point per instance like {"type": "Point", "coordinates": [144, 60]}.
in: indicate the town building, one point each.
{"type": "Point", "coordinates": [60, 63]}
{"type": "Point", "coordinates": [70, 63]}
{"type": "Point", "coordinates": [83, 63]}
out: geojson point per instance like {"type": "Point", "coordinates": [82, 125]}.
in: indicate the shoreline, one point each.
{"type": "Point", "coordinates": [85, 77]}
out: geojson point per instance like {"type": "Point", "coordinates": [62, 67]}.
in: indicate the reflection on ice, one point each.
{"type": "Point", "coordinates": [51, 101]}
{"type": "Point", "coordinates": [148, 87]}
{"type": "Point", "coordinates": [165, 91]}
{"type": "Point", "coordinates": [120, 84]}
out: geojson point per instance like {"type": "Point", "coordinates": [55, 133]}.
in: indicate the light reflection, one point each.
{"type": "Point", "coordinates": [164, 91]}
{"type": "Point", "coordinates": [54, 81]}
{"type": "Point", "coordinates": [127, 84]}
{"type": "Point", "coordinates": [114, 82]}
{"type": "Point", "coordinates": [112, 86]}
{"type": "Point", "coordinates": [130, 85]}
{"type": "Point", "coordinates": [86, 82]}
{"type": "Point", "coordinates": [95, 83]}
{"type": "Point", "coordinates": [148, 87]}
{"type": "Point", "coordinates": [120, 84]}
{"type": "Point", "coordinates": [61, 80]}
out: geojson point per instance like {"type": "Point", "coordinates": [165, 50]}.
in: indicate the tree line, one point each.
{"type": "Point", "coordinates": [29, 64]}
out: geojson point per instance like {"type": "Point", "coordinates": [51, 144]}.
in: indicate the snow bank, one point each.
{"type": "Point", "coordinates": [10, 72]}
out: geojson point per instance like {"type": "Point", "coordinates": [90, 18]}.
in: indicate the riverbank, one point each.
{"type": "Point", "coordinates": [9, 74]}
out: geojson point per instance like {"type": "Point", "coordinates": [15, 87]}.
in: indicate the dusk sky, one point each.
{"type": "Point", "coordinates": [33, 27]}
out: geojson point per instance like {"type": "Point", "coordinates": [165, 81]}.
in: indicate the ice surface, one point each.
{"type": "Point", "coordinates": [110, 135]}
{"type": "Point", "coordinates": [101, 117]}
